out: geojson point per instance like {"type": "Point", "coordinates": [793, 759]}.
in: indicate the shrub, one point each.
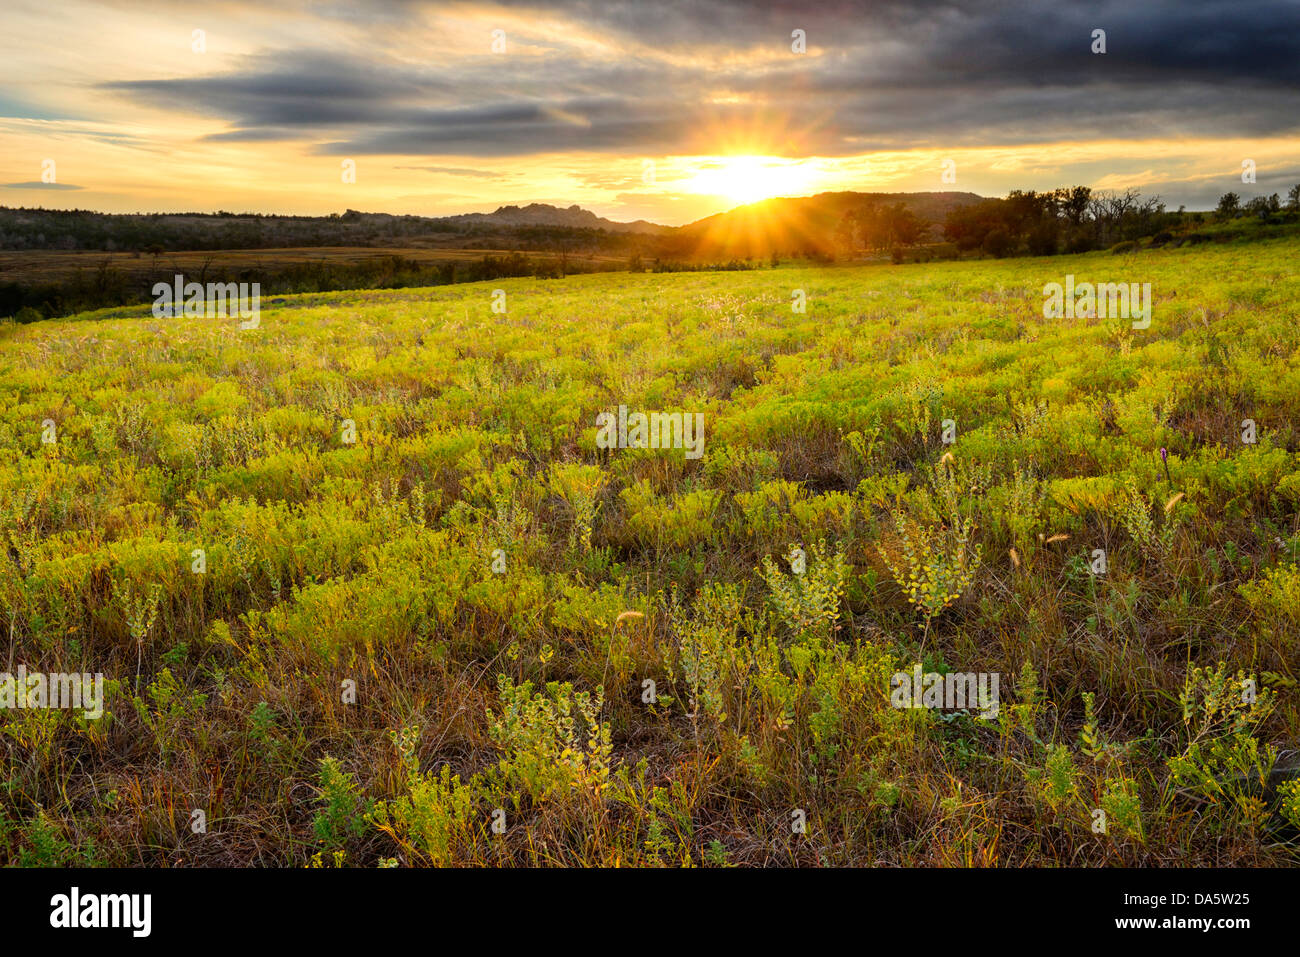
{"type": "Point", "coordinates": [1079, 240]}
{"type": "Point", "coordinates": [431, 821]}
{"type": "Point", "coordinates": [553, 742]}
{"type": "Point", "coordinates": [999, 243]}
{"type": "Point", "coordinates": [1221, 761]}
{"type": "Point", "coordinates": [343, 814]}
{"type": "Point", "coordinates": [938, 562]}
{"type": "Point", "coordinates": [1042, 241]}
{"type": "Point", "coordinates": [809, 600]}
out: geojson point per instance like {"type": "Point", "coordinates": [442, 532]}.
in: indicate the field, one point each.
{"type": "Point", "coordinates": [39, 265]}
{"type": "Point", "coordinates": [365, 590]}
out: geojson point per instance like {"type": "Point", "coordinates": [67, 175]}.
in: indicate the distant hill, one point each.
{"type": "Point", "coordinates": [542, 214]}
{"type": "Point", "coordinates": [526, 227]}
{"type": "Point", "coordinates": [789, 227]}
{"type": "Point", "coordinates": [798, 225]}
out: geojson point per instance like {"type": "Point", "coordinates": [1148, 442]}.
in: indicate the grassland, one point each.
{"type": "Point", "coordinates": [498, 590]}
{"type": "Point", "coordinates": [43, 265]}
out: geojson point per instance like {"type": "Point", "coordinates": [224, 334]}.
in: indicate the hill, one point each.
{"type": "Point", "coordinates": [801, 225]}
{"type": "Point", "coordinates": [786, 225]}
{"type": "Point", "coordinates": [542, 214]}
{"type": "Point", "coordinates": [534, 226]}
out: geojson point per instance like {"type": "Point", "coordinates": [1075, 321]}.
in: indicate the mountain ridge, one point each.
{"type": "Point", "coordinates": [545, 214]}
{"type": "Point", "coordinates": [781, 226]}
{"type": "Point", "coordinates": [575, 216]}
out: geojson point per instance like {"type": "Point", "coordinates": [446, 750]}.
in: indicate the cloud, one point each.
{"type": "Point", "coordinates": [456, 171]}
{"type": "Point", "coordinates": [884, 75]}
{"type": "Point", "coordinates": [40, 185]}
{"type": "Point", "coordinates": [296, 88]}
{"type": "Point", "coordinates": [253, 136]}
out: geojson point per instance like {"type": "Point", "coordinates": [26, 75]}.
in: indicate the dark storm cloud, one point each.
{"type": "Point", "coordinates": [307, 88]}
{"type": "Point", "coordinates": [890, 75]}
{"type": "Point", "coordinates": [513, 129]}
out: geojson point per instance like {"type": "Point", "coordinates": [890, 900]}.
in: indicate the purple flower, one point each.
{"type": "Point", "coordinates": [1164, 454]}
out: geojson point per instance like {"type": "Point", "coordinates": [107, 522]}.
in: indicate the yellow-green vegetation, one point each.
{"type": "Point", "coordinates": [471, 636]}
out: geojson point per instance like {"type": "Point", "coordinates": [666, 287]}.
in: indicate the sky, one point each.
{"type": "Point", "coordinates": [668, 110]}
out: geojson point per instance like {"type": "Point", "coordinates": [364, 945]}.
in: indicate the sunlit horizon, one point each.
{"type": "Point", "coordinates": [189, 109]}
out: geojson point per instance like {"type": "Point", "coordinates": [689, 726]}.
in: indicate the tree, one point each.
{"type": "Point", "coordinates": [905, 225]}
{"type": "Point", "coordinates": [846, 233]}
{"type": "Point", "coordinates": [1073, 202]}
{"type": "Point", "coordinates": [1263, 207]}
{"type": "Point", "coordinates": [1022, 211]}
{"type": "Point", "coordinates": [1229, 206]}
{"type": "Point", "coordinates": [998, 243]}
{"type": "Point", "coordinates": [1043, 239]}
{"type": "Point", "coordinates": [968, 226]}
{"type": "Point", "coordinates": [1293, 197]}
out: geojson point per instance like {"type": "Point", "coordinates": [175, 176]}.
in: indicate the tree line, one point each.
{"type": "Point", "coordinates": [1070, 219]}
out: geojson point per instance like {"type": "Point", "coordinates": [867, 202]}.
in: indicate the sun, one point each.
{"type": "Point", "coordinates": [749, 179]}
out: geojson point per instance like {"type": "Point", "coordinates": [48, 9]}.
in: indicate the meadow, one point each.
{"type": "Point", "coordinates": [41, 265]}
{"type": "Point", "coordinates": [366, 592]}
